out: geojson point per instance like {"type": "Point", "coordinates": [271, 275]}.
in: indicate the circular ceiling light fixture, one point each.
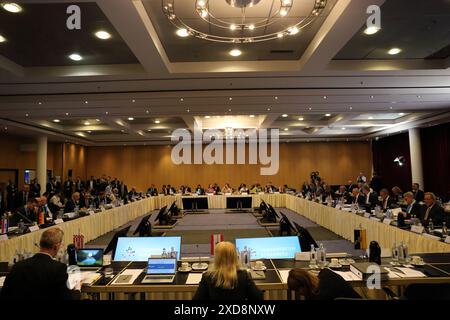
{"type": "Point", "coordinates": [12, 7]}
{"type": "Point", "coordinates": [394, 51]}
{"type": "Point", "coordinates": [214, 24]}
{"type": "Point", "coordinates": [235, 52]}
{"type": "Point", "coordinates": [75, 57]}
{"type": "Point", "coordinates": [103, 35]}
{"type": "Point", "coordinates": [2, 39]}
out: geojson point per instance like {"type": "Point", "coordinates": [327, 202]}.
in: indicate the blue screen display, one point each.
{"type": "Point", "coordinates": [270, 248]}
{"type": "Point", "coordinates": [161, 266]}
{"type": "Point", "coordinates": [141, 249]}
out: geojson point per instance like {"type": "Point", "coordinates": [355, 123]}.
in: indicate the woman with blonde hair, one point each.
{"type": "Point", "coordinates": [227, 281]}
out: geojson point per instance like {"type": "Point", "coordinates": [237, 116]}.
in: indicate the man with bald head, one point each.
{"type": "Point", "coordinates": [41, 277]}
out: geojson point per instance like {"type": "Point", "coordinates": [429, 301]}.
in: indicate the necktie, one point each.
{"type": "Point", "coordinates": [427, 213]}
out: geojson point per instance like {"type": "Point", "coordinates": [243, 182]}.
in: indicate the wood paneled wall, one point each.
{"type": "Point", "coordinates": [140, 166]}
{"type": "Point", "coordinates": [74, 157]}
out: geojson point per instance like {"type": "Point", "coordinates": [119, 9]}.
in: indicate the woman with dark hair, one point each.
{"type": "Point", "coordinates": [325, 286]}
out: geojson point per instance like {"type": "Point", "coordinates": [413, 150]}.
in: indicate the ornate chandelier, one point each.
{"type": "Point", "coordinates": [243, 28]}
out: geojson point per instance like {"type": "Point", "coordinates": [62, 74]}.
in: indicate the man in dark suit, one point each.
{"type": "Point", "coordinates": [79, 185]}
{"type": "Point", "coordinates": [23, 196]}
{"type": "Point", "coordinates": [26, 213]}
{"type": "Point", "coordinates": [432, 211]}
{"type": "Point", "coordinates": [355, 197]}
{"type": "Point", "coordinates": [40, 277]}
{"type": "Point", "coordinates": [68, 188]}
{"type": "Point", "coordinates": [418, 194]}
{"type": "Point", "coordinates": [370, 197]}
{"type": "Point", "coordinates": [91, 184]}
{"type": "Point", "coordinates": [50, 188]}
{"type": "Point", "coordinates": [386, 201]}
{"type": "Point", "coordinates": [413, 208]}
{"type": "Point", "coordinates": [72, 203]}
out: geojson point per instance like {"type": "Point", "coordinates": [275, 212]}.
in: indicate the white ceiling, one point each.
{"type": "Point", "coordinates": [179, 93]}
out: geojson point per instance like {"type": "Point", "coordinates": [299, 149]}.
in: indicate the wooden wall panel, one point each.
{"type": "Point", "coordinates": [74, 157]}
{"type": "Point", "coordinates": [140, 166]}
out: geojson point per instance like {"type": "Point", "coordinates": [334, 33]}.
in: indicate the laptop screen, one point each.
{"type": "Point", "coordinates": [161, 266]}
{"type": "Point", "coordinates": [90, 257]}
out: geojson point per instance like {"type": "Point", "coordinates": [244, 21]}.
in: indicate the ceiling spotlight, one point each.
{"type": "Point", "coordinates": [207, 117]}
{"type": "Point", "coordinates": [280, 35]}
{"type": "Point", "coordinates": [325, 97]}
{"type": "Point", "coordinates": [89, 131]}
{"type": "Point", "coordinates": [147, 111]}
{"type": "Point", "coordinates": [235, 53]}
{"type": "Point", "coordinates": [181, 99]}
{"type": "Point", "coordinates": [86, 102]}
{"type": "Point", "coordinates": [371, 97]}
{"type": "Point", "coordinates": [188, 110]}
{"type": "Point", "coordinates": [276, 98]}
{"type": "Point", "coordinates": [26, 114]}
{"type": "Point", "coordinates": [56, 120]}
{"type": "Point", "coordinates": [268, 109]}
{"type": "Point", "coordinates": [251, 27]}
{"type": "Point", "coordinates": [252, 116]}
{"type": "Point", "coordinates": [201, 3]}
{"type": "Point", "coordinates": [103, 35]}
{"type": "Point", "coordinates": [401, 114]}
{"type": "Point", "coordinates": [87, 123]}
{"type": "Point", "coordinates": [2, 39]}
{"type": "Point", "coordinates": [327, 115]}
{"type": "Point", "coordinates": [75, 57]}
{"type": "Point", "coordinates": [233, 27]}
{"type": "Point", "coordinates": [293, 30]}
{"type": "Point", "coordinates": [283, 12]}
{"type": "Point", "coordinates": [400, 160]}
{"type": "Point", "coordinates": [371, 30]}
{"type": "Point", "coordinates": [12, 7]}
{"type": "Point", "coordinates": [39, 103]}
{"type": "Point", "coordinates": [98, 120]}
{"type": "Point", "coordinates": [67, 113]}
{"type": "Point", "coordinates": [157, 121]}
{"type": "Point", "coordinates": [183, 33]}
{"type": "Point", "coordinates": [344, 128]}
{"type": "Point", "coordinates": [130, 118]}
{"type": "Point", "coordinates": [106, 112]}
{"type": "Point", "coordinates": [230, 98]}
{"type": "Point", "coordinates": [301, 119]}
{"type": "Point", "coordinates": [350, 108]}
{"type": "Point", "coordinates": [394, 51]}
{"type": "Point", "coordinates": [286, 129]}
{"type": "Point", "coordinates": [370, 118]}
{"type": "Point", "coordinates": [284, 115]}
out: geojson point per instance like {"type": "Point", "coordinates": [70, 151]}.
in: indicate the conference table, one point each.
{"type": "Point", "coordinates": [274, 286]}
{"type": "Point", "coordinates": [340, 222]}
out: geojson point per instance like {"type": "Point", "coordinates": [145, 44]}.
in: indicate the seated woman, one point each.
{"type": "Point", "coordinates": [226, 281]}
{"type": "Point", "coordinates": [243, 188]}
{"type": "Point", "coordinates": [326, 286]}
{"type": "Point", "coordinates": [211, 189]}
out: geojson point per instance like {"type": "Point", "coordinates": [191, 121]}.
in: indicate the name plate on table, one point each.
{"type": "Point", "coordinates": [91, 212]}
{"type": "Point", "coordinates": [387, 221]}
{"type": "Point", "coordinates": [59, 221]}
{"type": "Point", "coordinates": [367, 215]}
{"type": "Point", "coordinates": [3, 237]}
{"type": "Point", "coordinates": [228, 194]}
{"type": "Point", "coordinates": [447, 240]}
{"type": "Point", "coordinates": [417, 229]}
{"type": "Point", "coordinates": [375, 219]}
{"type": "Point", "coordinates": [33, 228]}
{"type": "Point", "coordinates": [103, 209]}
{"type": "Point", "coordinates": [303, 256]}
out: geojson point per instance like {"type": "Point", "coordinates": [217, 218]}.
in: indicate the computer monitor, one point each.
{"type": "Point", "coordinates": [286, 225]}
{"type": "Point", "coordinates": [113, 243]}
{"type": "Point", "coordinates": [141, 249]}
{"type": "Point", "coordinates": [270, 248]}
{"type": "Point", "coordinates": [90, 257]}
{"type": "Point", "coordinates": [239, 202]}
{"type": "Point", "coordinates": [161, 217]}
{"type": "Point", "coordinates": [161, 266]}
{"type": "Point", "coordinates": [195, 203]}
{"type": "Point", "coordinates": [144, 228]}
{"type": "Point", "coordinates": [306, 240]}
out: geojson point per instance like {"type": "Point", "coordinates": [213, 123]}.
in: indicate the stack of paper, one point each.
{"type": "Point", "coordinates": [127, 277]}
{"type": "Point", "coordinates": [89, 277]}
{"type": "Point", "coordinates": [194, 278]}
{"type": "Point", "coordinates": [407, 272]}
{"type": "Point", "coordinates": [284, 275]}
{"type": "Point", "coordinates": [347, 275]}
{"type": "Point", "coordinates": [2, 281]}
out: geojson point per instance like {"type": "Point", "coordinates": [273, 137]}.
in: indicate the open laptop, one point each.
{"type": "Point", "coordinates": [160, 270]}
{"type": "Point", "coordinates": [90, 258]}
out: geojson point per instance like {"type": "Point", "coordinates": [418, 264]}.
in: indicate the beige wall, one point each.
{"type": "Point", "coordinates": [140, 166]}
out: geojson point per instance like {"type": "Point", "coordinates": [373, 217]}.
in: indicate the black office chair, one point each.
{"type": "Point", "coordinates": [422, 291]}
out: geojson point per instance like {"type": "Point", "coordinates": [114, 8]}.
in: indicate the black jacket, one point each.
{"type": "Point", "coordinates": [419, 195]}
{"type": "Point", "coordinates": [416, 210]}
{"type": "Point", "coordinates": [436, 213]}
{"type": "Point", "coordinates": [332, 286]}
{"type": "Point", "coordinates": [390, 203]}
{"type": "Point", "coordinates": [70, 206]}
{"type": "Point", "coordinates": [37, 278]}
{"type": "Point", "coordinates": [245, 289]}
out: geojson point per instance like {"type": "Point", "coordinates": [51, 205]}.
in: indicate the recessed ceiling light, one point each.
{"type": "Point", "coordinates": [344, 128]}
{"type": "Point", "coordinates": [133, 100]}
{"type": "Point", "coordinates": [284, 115]}
{"type": "Point", "coordinates": [394, 51]}
{"type": "Point", "coordinates": [235, 52]}
{"type": "Point", "coordinates": [276, 98]}
{"type": "Point", "coordinates": [106, 112]}
{"type": "Point", "coordinates": [26, 114]}
{"type": "Point", "coordinates": [283, 12]}
{"type": "Point", "coordinates": [286, 129]}
{"type": "Point", "coordinates": [103, 35]}
{"type": "Point", "coordinates": [293, 30]}
{"type": "Point", "coordinates": [130, 118]}
{"type": "Point", "coordinates": [98, 120]}
{"type": "Point", "coordinates": [301, 119]}
{"type": "Point", "coordinates": [327, 115]}
{"type": "Point", "coordinates": [251, 27]}
{"type": "Point", "coordinates": [86, 102]}
{"type": "Point", "coordinates": [309, 108]}
{"type": "Point", "coordinates": [67, 113]}
{"type": "Point", "coordinates": [371, 97]}
{"type": "Point", "coordinates": [12, 7]}
{"type": "Point", "coordinates": [371, 30]}
{"type": "Point", "coordinates": [252, 116]}
{"type": "Point", "coordinates": [87, 123]}
{"type": "Point", "coordinates": [207, 117]}
{"type": "Point", "coordinates": [183, 33]}
{"type": "Point", "coordinates": [401, 114]}
{"type": "Point", "coordinates": [229, 110]}
{"type": "Point", "coordinates": [2, 39]}
{"type": "Point", "coordinates": [56, 120]}
{"type": "Point", "coordinates": [233, 27]}
{"type": "Point", "coordinates": [370, 118]}
{"type": "Point", "coordinates": [89, 131]}
{"type": "Point", "coordinates": [351, 108]}
{"type": "Point", "coordinates": [149, 130]}
{"type": "Point", "coordinates": [75, 57]}
{"type": "Point", "coordinates": [419, 97]}
{"type": "Point", "coordinates": [39, 103]}
{"type": "Point", "coordinates": [230, 98]}
{"type": "Point", "coordinates": [188, 110]}
{"type": "Point", "coordinates": [157, 121]}
{"type": "Point", "coordinates": [325, 97]}
{"type": "Point", "coordinates": [268, 109]}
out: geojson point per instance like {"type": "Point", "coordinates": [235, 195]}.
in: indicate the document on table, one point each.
{"type": "Point", "coordinates": [2, 281]}
{"type": "Point", "coordinates": [284, 275]}
{"type": "Point", "coordinates": [392, 274]}
{"type": "Point", "coordinates": [127, 277]}
{"type": "Point", "coordinates": [407, 273]}
{"type": "Point", "coordinates": [194, 278]}
{"type": "Point", "coordinates": [347, 275]}
{"type": "Point", "coordinates": [89, 277]}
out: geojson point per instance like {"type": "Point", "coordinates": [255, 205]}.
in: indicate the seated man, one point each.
{"type": "Point", "coordinates": [432, 211]}
{"type": "Point", "coordinates": [355, 197]}
{"type": "Point", "coordinates": [386, 201]}
{"type": "Point", "coordinates": [370, 197]}
{"type": "Point", "coordinates": [199, 190]}
{"type": "Point", "coordinates": [152, 190]}
{"type": "Point", "coordinates": [227, 189]}
{"type": "Point", "coordinates": [73, 203]}
{"type": "Point", "coordinates": [40, 277]}
{"type": "Point", "coordinates": [87, 201]}
{"type": "Point", "coordinates": [26, 214]}
{"type": "Point", "coordinates": [418, 194]}
{"type": "Point", "coordinates": [413, 209]}
{"type": "Point", "coordinates": [55, 203]}
{"type": "Point", "coordinates": [341, 193]}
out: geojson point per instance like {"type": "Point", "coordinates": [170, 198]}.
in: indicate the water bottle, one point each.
{"type": "Point", "coordinates": [444, 229]}
{"type": "Point", "coordinates": [323, 256]}
{"type": "Point", "coordinates": [164, 253]}
{"type": "Point", "coordinates": [395, 253]}
{"type": "Point", "coordinates": [430, 226]}
{"type": "Point", "coordinates": [313, 256]}
{"type": "Point", "coordinates": [401, 253]}
{"type": "Point", "coordinates": [406, 253]}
